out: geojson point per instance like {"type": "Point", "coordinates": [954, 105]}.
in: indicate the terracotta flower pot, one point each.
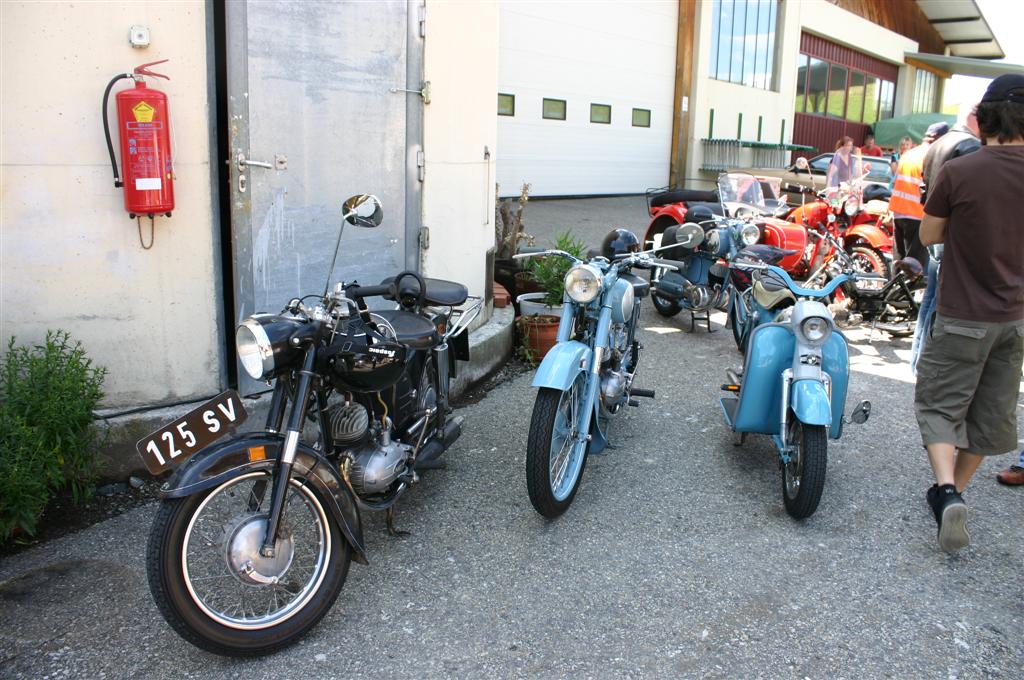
{"type": "Point", "coordinates": [538, 334]}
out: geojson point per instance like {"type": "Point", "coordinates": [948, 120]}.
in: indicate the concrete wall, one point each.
{"type": "Point", "coordinates": [610, 53]}
{"type": "Point", "coordinates": [70, 256]}
{"type": "Point", "coordinates": [776, 105]}
{"type": "Point", "coordinates": [459, 139]}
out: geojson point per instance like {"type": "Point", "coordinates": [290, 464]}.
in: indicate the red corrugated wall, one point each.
{"type": "Point", "coordinates": [818, 131]}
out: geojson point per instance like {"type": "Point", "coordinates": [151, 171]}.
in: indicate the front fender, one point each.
{"type": "Point", "coordinates": [661, 219]}
{"type": "Point", "coordinates": [561, 365]}
{"type": "Point", "coordinates": [810, 402]}
{"type": "Point", "coordinates": [869, 233]}
{"type": "Point", "coordinates": [240, 454]}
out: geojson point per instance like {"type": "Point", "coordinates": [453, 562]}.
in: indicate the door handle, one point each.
{"type": "Point", "coordinates": [280, 163]}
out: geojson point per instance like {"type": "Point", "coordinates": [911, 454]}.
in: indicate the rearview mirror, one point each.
{"type": "Point", "coordinates": [689, 235]}
{"type": "Point", "coordinates": [364, 210]}
{"type": "Point", "coordinates": [861, 412]}
{"type": "Point", "coordinates": [801, 163]}
{"type": "Point", "coordinates": [867, 168]}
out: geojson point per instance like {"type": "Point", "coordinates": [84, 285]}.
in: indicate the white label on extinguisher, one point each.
{"type": "Point", "coordinates": [148, 183]}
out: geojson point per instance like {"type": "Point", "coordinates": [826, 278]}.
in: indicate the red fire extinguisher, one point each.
{"type": "Point", "coordinates": [145, 132]}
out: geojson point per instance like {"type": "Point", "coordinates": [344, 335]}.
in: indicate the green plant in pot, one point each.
{"type": "Point", "coordinates": [550, 272]}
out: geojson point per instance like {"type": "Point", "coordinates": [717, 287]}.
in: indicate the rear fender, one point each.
{"type": "Point", "coordinates": [663, 218]}
{"type": "Point", "coordinates": [239, 455]}
{"type": "Point", "coordinates": [562, 364]}
{"type": "Point", "coordinates": [870, 234]}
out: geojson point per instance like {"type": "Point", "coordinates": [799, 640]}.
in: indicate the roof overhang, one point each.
{"type": "Point", "coordinates": [964, 66]}
{"type": "Point", "coordinates": [962, 27]}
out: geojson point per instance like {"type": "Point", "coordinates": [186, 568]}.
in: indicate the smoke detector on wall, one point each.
{"type": "Point", "coordinates": [138, 36]}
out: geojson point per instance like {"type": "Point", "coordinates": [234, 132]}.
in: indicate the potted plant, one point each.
{"type": "Point", "coordinates": [508, 234]}
{"type": "Point", "coordinates": [549, 274]}
{"type": "Point", "coordinates": [540, 312]}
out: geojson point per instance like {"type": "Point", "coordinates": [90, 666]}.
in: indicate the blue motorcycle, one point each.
{"type": "Point", "coordinates": [587, 377]}
{"type": "Point", "coordinates": [700, 250]}
{"type": "Point", "coordinates": [794, 378]}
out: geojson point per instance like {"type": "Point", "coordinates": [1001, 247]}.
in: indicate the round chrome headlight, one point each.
{"type": "Point", "coordinates": [583, 283]}
{"type": "Point", "coordinates": [816, 329]}
{"type": "Point", "coordinates": [628, 297]}
{"type": "Point", "coordinates": [750, 234]}
{"type": "Point", "coordinates": [262, 344]}
{"type": "Point", "coordinates": [254, 352]}
{"type": "Point", "coordinates": [852, 206]}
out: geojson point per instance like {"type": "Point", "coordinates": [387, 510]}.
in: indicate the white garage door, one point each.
{"type": "Point", "coordinates": [564, 69]}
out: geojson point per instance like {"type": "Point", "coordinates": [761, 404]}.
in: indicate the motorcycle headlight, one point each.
{"type": "Point", "coordinates": [583, 283]}
{"type": "Point", "coordinates": [852, 206]}
{"type": "Point", "coordinates": [750, 234]}
{"type": "Point", "coordinates": [262, 344]}
{"type": "Point", "coordinates": [815, 329]}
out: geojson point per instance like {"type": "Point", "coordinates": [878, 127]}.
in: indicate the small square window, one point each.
{"type": "Point", "coordinates": [641, 118]}
{"type": "Point", "coordinates": [554, 109]}
{"type": "Point", "coordinates": [506, 104]}
{"type": "Point", "coordinates": [600, 113]}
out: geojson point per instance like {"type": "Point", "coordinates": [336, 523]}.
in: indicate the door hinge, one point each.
{"type": "Point", "coordinates": [422, 11]}
{"type": "Point", "coordinates": [424, 238]}
{"type": "Point", "coordinates": [421, 163]}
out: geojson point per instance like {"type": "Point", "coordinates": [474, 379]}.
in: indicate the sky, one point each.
{"type": "Point", "coordinates": [1004, 17]}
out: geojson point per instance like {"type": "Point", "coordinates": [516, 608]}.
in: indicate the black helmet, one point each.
{"type": "Point", "coordinates": [700, 213]}
{"type": "Point", "coordinates": [619, 242]}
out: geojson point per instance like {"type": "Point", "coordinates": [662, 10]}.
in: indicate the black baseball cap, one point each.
{"type": "Point", "coordinates": [1008, 87]}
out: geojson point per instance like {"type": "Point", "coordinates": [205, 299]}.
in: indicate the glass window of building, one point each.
{"type": "Point", "coordinates": [926, 86]}
{"type": "Point", "coordinates": [872, 96]}
{"type": "Point", "coordinates": [554, 109]}
{"type": "Point", "coordinates": [743, 41]}
{"type": "Point", "coordinates": [837, 92]}
{"type": "Point", "coordinates": [506, 104]}
{"type": "Point", "coordinates": [600, 113]}
{"type": "Point", "coordinates": [817, 86]}
{"type": "Point", "coordinates": [641, 118]}
{"type": "Point", "coordinates": [855, 98]}
{"type": "Point", "coordinates": [801, 83]}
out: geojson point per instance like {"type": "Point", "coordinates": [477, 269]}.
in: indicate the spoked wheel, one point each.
{"type": "Point", "coordinates": [215, 588]}
{"type": "Point", "coordinates": [803, 477]}
{"type": "Point", "coordinates": [554, 458]}
{"type": "Point", "coordinates": [869, 261]}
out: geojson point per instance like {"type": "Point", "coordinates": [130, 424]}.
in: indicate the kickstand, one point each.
{"type": "Point", "coordinates": [705, 317]}
{"type": "Point", "coordinates": [390, 521]}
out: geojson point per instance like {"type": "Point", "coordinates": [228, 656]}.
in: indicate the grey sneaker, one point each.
{"type": "Point", "coordinates": [951, 516]}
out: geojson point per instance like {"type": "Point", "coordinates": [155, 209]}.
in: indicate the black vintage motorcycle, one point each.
{"type": "Point", "coordinates": [253, 540]}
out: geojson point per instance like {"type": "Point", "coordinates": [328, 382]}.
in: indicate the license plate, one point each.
{"type": "Point", "coordinates": [172, 444]}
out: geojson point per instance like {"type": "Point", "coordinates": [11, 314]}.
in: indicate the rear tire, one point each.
{"type": "Point", "coordinates": [803, 478]}
{"type": "Point", "coordinates": [869, 261]}
{"type": "Point", "coordinates": [190, 563]}
{"type": "Point", "coordinates": [735, 321]}
{"type": "Point", "coordinates": [546, 457]}
{"type": "Point", "coordinates": [665, 307]}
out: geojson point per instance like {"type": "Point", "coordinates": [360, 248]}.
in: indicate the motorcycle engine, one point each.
{"type": "Point", "coordinates": [699, 297]}
{"type": "Point", "coordinates": [376, 461]}
{"type": "Point", "coordinates": [615, 380]}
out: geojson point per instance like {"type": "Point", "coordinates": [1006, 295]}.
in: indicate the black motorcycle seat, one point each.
{"type": "Point", "coordinates": [876, 192]}
{"type": "Point", "coordinates": [765, 253]}
{"type": "Point", "coordinates": [439, 291]}
{"type": "Point", "coordinates": [682, 196]}
{"type": "Point", "coordinates": [715, 208]}
{"type": "Point", "coordinates": [411, 329]}
{"type": "Point", "coordinates": [641, 288]}
{"type": "Point", "coordinates": [909, 266]}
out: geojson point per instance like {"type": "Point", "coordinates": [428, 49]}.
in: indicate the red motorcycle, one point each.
{"type": "Point", "coordinates": [862, 232]}
{"type": "Point", "coordinates": [738, 195]}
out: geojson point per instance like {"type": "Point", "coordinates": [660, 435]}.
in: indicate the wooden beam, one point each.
{"type": "Point", "coordinates": [686, 27]}
{"type": "Point", "coordinates": [927, 67]}
{"type": "Point", "coordinates": [954, 20]}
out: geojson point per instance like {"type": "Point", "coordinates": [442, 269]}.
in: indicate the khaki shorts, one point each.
{"type": "Point", "coordinates": [968, 384]}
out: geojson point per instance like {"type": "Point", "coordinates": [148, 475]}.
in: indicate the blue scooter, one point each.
{"type": "Point", "coordinates": [795, 375]}
{"type": "Point", "coordinates": [587, 377]}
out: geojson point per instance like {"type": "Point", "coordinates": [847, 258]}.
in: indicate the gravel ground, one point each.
{"type": "Point", "coordinates": [676, 559]}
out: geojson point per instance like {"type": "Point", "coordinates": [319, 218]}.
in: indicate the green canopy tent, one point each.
{"type": "Point", "coordinates": [890, 131]}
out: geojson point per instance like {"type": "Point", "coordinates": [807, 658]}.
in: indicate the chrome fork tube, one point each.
{"type": "Point", "coordinates": [303, 389]}
{"type": "Point", "coordinates": [441, 368]}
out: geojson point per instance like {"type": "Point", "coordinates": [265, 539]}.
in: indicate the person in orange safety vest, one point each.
{"type": "Point", "coordinates": [905, 203]}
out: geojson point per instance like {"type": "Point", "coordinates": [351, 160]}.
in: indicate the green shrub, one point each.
{"type": "Point", "coordinates": [48, 439]}
{"type": "Point", "coordinates": [550, 271]}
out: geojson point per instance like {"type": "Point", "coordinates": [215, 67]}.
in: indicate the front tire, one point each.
{"type": "Point", "coordinates": [554, 460]}
{"type": "Point", "coordinates": [215, 589]}
{"type": "Point", "coordinates": [803, 478]}
{"type": "Point", "coordinates": [664, 307]}
{"type": "Point", "coordinates": [737, 321]}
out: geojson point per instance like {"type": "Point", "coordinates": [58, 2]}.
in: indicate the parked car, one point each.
{"type": "Point", "coordinates": [881, 173]}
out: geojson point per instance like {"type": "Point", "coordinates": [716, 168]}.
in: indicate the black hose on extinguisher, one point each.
{"type": "Point", "coordinates": [106, 127]}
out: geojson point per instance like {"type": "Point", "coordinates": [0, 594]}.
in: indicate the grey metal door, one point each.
{"type": "Point", "coordinates": [316, 113]}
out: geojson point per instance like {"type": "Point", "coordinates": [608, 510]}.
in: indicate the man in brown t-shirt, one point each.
{"type": "Point", "coordinates": [969, 373]}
